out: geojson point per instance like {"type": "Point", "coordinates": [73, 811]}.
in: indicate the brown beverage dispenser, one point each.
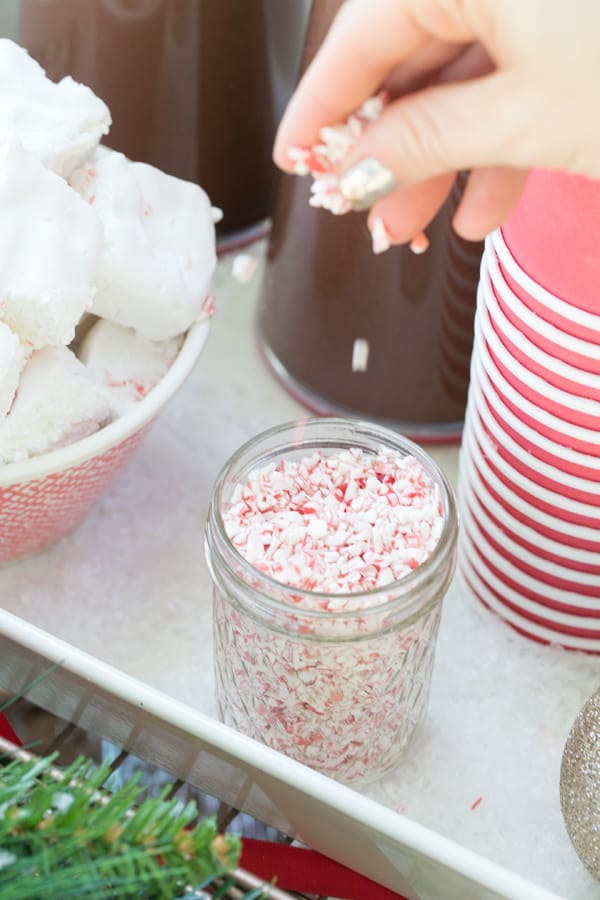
{"type": "Point", "coordinates": [195, 87]}
{"type": "Point", "coordinates": [324, 289]}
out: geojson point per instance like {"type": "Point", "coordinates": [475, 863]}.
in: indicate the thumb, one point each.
{"type": "Point", "coordinates": [445, 128]}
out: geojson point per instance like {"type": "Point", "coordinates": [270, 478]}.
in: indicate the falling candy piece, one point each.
{"type": "Point", "coordinates": [243, 268]}
{"type": "Point", "coordinates": [360, 355]}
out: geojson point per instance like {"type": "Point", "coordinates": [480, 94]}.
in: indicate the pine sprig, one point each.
{"type": "Point", "coordinates": [61, 835]}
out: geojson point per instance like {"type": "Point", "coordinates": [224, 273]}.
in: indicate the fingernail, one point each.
{"type": "Point", "coordinates": [380, 236]}
{"type": "Point", "coordinates": [366, 182]}
{"type": "Point", "coordinates": [419, 243]}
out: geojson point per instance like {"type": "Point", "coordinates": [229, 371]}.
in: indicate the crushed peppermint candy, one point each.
{"type": "Point", "coordinates": [360, 355]}
{"type": "Point", "coordinates": [341, 679]}
{"type": "Point", "coordinates": [341, 523]}
{"type": "Point", "coordinates": [325, 160]}
{"type": "Point", "coordinates": [243, 268]}
{"type": "Point", "coordinates": [209, 307]}
{"type": "Point", "coordinates": [347, 708]}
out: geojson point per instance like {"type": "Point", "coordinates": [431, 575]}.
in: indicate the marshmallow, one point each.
{"type": "Point", "coordinates": [59, 123]}
{"type": "Point", "coordinates": [12, 359]}
{"type": "Point", "coordinates": [126, 362]}
{"type": "Point", "coordinates": [159, 250]}
{"type": "Point", "coordinates": [50, 241]}
{"type": "Point", "coordinates": [57, 404]}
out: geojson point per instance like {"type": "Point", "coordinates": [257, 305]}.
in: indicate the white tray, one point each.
{"type": "Point", "coordinates": [330, 818]}
{"type": "Point", "coordinates": [130, 590]}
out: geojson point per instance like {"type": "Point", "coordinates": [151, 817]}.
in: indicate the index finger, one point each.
{"type": "Point", "coordinates": [368, 38]}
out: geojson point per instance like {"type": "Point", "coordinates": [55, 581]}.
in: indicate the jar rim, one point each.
{"type": "Point", "coordinates": [404, 586]}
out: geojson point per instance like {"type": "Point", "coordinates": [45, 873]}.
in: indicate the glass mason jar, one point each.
{"type": "Point", "coordinates": [338, 682]}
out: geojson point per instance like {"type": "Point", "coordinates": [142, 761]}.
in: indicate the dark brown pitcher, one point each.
{"type": "Point", "coordinates": [195, 87]}
{"type": "Point", "coordinates": [324, 288]}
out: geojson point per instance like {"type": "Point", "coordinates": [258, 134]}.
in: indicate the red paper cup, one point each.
{"type": "Point", "coordinates": [506, 583]}
{"type": "Point", "coordinates": [541, 473]}
{"type": "Point", "coordinates": [559, 505]}
{"type": "Point", "coordinates": [517, 344]}
{"type": "Point", "coordinates": [532, 442]}
{"type": "Point", "coordinates": [554, 233]}
{"type": "Point", "coordinates": [556, 475]}
{"type": "Point", "coordinates": [524, 535]}
{"type": "Point", "coordinates": [526, 595]}
{"type": "Point", "coordinates": [579, 351]}
{"type": "Point", "coordinates": [565, 405]}
{"type": "Point", "coordinates": [525, 571]}
{"type": "Point", "coordinates": [522, 508]}
{"type": "Point", "coordinates": [544, 634]}
{"type": "Point", "coordinates": [542, 499]}
{"type": "Point", "coordinates": [584, 440]}
{"type": "Point", "coordinates": [564, 316]}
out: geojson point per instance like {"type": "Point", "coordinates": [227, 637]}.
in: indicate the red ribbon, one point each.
{"type": "Point", "coordinates": [7, 733]}
{"type": "Point", "coordinates": [299, 869]}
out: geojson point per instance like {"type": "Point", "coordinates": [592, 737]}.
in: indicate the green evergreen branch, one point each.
{"type": "Point", "coordinates": [62, 836]}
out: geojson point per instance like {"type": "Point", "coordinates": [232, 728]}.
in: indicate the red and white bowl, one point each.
{"type": "Point", "coordinates": [43, 498]}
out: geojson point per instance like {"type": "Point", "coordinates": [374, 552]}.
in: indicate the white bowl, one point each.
{"type": "Point", "coordinates": [43, 498]}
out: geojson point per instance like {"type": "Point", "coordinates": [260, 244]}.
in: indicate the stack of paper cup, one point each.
{"type": "Point", "coordinates": [530, 459]}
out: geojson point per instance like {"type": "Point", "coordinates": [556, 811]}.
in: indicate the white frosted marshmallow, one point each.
{"type": "Point", "coordinates": [59, 123]}
{"type": "Point", "coordinates": [50, 241]}
{"type": "Point", "coordinates": [12, 359]}
{"type": "Point", "coordinates": [128, 364]}
{"type": "Point", "coordinates": [159, 250]}
{"type": "Point", "coordinates": [57, 403]}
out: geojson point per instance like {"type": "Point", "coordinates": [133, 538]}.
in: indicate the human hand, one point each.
{"type": "Point", "coordinates": [492, 86]}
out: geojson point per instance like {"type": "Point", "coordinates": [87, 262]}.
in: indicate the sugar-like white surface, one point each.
{"type": "Point", "coordinates": [501, 706]}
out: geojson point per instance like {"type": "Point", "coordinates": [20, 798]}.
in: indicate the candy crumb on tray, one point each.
{"type": "Point", "coordinates": [243, 268]}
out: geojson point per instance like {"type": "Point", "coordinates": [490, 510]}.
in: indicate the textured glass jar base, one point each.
{"type": "Point", "coordinates": [347, 708]}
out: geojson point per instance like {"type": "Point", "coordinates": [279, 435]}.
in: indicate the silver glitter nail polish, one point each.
{"type": "Point", "coordinates": [366, 182]}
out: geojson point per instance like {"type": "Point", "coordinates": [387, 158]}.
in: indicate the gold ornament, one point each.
{"type": "Point", "coordinates": [580, 785]}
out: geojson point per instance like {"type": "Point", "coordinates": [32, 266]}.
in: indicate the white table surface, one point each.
{"type": "Point", "coordinates": [131, 587]}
